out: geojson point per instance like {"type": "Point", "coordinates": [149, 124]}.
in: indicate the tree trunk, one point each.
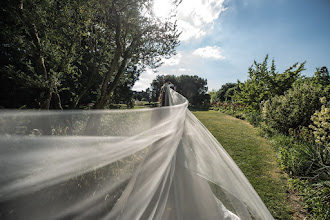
{"type": "Point", "coordinates": [45, 100]}
{"type": "Point", "coordinates": [95, 119]}
{"type": "Point", "coordinates": [93, 123]}
{"type": "Point", "coordinates": [39, 60]}
{"type": "Point", "coordinates": [105, 97]}
{"type": "Point", "coordinates": [58, 102]}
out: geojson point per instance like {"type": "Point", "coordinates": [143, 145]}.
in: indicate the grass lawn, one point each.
{"type": "Point", "coordinates": [255, 157]}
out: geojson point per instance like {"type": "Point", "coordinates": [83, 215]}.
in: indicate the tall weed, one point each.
{"type": "Point", "coordinates": [316, 197]}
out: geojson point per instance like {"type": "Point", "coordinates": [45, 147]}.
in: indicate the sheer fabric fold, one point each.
{"type": "Point", "coordinates": [159, 163]}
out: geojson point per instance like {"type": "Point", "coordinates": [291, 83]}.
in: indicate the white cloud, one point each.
{"type": "Point", "coordinates": [209, 52]}
{"type": "Point", "coordinates": [195, 19]}
{"type": "Point", "coordinates": [162, 8]}
{"type": "Point", "coordinates": [194, 16]}
{"type": "Point", "coordinates": [174, 60]}
{"type": "Point", "coordinates": [144, 80]}
{"type": "Point", "coordinates": [188, 31]}
{"type": "Point", "coordinates": [171, 66]}
{"type": "Point", "coordinates": [182, 70]}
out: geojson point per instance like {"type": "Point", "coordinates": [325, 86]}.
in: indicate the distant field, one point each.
{"type": "Point", "coordinates": [255, 157]}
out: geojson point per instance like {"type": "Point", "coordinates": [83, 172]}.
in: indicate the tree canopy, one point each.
{"type": "Point", "coordinates": [264, 83]}
{"type": "Point", "coordinates": [226, 92]}
{"type": "Point", "coordinates": [65, 54]}
{"type": "Point", "coordinates": [193, 88]}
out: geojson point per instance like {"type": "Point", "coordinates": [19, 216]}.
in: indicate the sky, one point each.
{"type": "Point", "coordinates": [220, 39]}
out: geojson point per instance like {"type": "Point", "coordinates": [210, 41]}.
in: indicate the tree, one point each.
{"type": "Point", "coordinates": [138, 40]}
{"type": "Point", "coordinates": [322, 76]}
{"type": "Point", "coordinates": [158, 82]}
{"type": "Point", "coordinates": [41, 43]}
{"type": "Point", "coordinates": [223, 94]}
{"type": "Point", "coordinates": [193, 88]}
{"type": "Point", "coordinates": [123, 92]}
{"type": "Point", "coordinates": [213, 96]}
{"type": "Point", "coordinates": [262, 84]}
{"type": "Point", "coordinates": [145, 95]}
{"type": "Point", "coordinates": [81, 50]}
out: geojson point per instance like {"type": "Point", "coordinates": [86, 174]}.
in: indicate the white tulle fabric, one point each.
{"type": "Point", "coordinates": [159, 163]}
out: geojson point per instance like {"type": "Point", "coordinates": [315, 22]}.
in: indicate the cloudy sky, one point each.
{"type": "Point", "coordinates": [221, 38]}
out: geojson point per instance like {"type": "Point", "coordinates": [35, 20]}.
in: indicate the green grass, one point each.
{"type": "Point", "coordinates": [255, 157]}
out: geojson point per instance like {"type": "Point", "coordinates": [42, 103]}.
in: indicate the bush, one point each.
{"type": "Point", "coordinates": [315, 196]}
{"type": "Point", "coordinates": [151, 104]}
{"type": "Point", "coordinates": [139, 103]}
{"type": "Point", "coordinates": [321, 125]}
{"type": "Point", "coordinates": [302, 159]}
{"type": "Point", "coordinates": [305, 155]}
{"type": "Point", "coordinates": [253, 117]}
{"type": "Point", "coordinates": [290, 155]}
{"type": "Point", "coordinates": [239, 115]}
{"type": "Point", "coordinates": [293, 109]}
{"type": "Point", "coordinates": [265, 130]}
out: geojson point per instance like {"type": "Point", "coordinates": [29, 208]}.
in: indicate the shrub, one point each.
{"type": "Point", "coordinates": [265, 130]}
{"type": "Point", "coordinates": [315, 196]}
{"type": "Point", "coordinates": [239, 115]}
{"type": "Point", "coordinates": [253, 117]}
{"type": "Point", "coordinates": [291, 155]}
{"type": "Point", "coordinates": [139, 103]}
{"type": "Point", "coordinates": [293, 109]}
{"type": "Point", "coordinates": [302, 158]}
{"type": "Point", "coordinates": [321, 125]}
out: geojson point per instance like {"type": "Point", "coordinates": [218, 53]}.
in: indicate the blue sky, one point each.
{"type": "Point", "coordinates": [221, 38]}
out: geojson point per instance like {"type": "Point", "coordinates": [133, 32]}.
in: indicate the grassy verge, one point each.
{"type": "Point", "coordinates": [255, 157]}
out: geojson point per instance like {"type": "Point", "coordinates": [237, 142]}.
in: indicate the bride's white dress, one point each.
{"type": "Point", "coordinates": [159, 163]}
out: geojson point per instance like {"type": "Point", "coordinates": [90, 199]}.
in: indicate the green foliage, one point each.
{"type": "Point", "coordinates": [193, 88]}
{"type": "Point", "coordinates": [264, 83]}
{"type": "Point", "coordinates": [302, 159]}
{"type": "Point", "coordinates": [226, 92]}
{"type": "Point", "coordinates": [322, 76]}
{"type": "Point", "coordinates": [72, 53]}
{"type": "Point", "coordinates": [42, 43]}
{"type": "Point", "coordinates": [292, 118]}
{"type": "Point", "coordinates": [293, 109]}
{"type": "Point", "coordinates": [304, 154]}
{"type": "Point", "coordinates": [316, 197]}
{"type": "Point", "coordinates": [142, 95]}
{"type": "Point", "coordinates": [321, 125]}
{"type": "Point", "coordinates": [253, 117]}
{"type": "Point", "coordinates": [213, 96]}
{"type": "Point", "coordinates": [234, 109]}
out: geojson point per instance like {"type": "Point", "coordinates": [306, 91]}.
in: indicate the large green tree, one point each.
{"type": "Point", "coordinates": [138, 40]}
{"type": "Point", "coordinates": [194, 88]}
{"type": "Point", "coordinates": [226, 92]}
{"type": "Point", "coordinates": [41, 44]}
{"type": "Point", "coordinates": [264, 83]}
{"type": "Point", "coordinates": [74, 51]}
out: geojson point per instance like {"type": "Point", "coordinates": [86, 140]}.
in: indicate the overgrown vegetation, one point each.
{"type": "Point", "coordinates": [293, 112]}
{"type": "Point", "coordinates": [255, 157]}
{"type": "Point", "coordinates": [194, 88]}
{"type": "Point", "coordinates": [71, 54]}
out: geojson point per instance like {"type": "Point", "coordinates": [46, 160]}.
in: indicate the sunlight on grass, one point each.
{"type": "Point", "coordinates": [255, 157]}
